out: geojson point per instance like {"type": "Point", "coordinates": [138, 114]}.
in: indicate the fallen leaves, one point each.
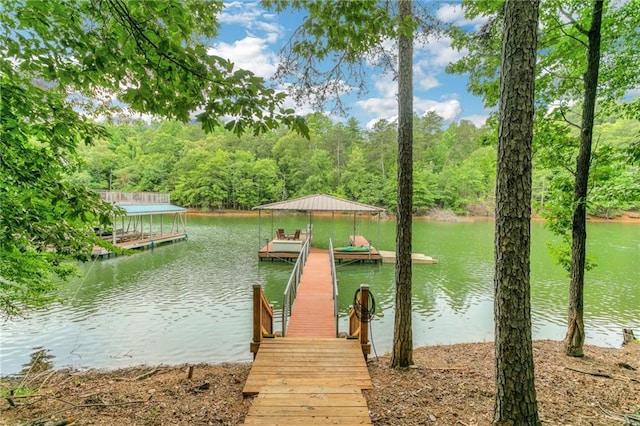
{"type": "Point", "coordinates": [449, 385]}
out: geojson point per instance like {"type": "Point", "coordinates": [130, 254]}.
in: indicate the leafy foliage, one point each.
{"type": "Point", "coordinates": [64, 67]}
{"type": "Point", "coordinates": [560, 88]}
{"type": "Point", "coordinates": [454, 166]}
{"type": "Point", "coordinates": [220, 170]}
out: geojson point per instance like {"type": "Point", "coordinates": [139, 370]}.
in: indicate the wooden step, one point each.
{"type": "Point", "coordinates": [305, 361]}
{"type": "Point", "coordinates": [303, 405]}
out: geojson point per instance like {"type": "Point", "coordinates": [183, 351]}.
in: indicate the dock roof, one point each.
{"type": "Point", "coordinates": [143, 209]}
{"type": "Point", "coordinates": [320, 202]}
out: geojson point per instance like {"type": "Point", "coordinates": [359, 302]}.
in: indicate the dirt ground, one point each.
{"type": "Point", "coordinates": [448, 385]}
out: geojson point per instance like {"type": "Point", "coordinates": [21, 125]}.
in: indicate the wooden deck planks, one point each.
{"type": "Point", "coordinates": [312, 313]}
{"type": "Point", "coordinates": [309, 376]}
{"type": "Point", "coordinates": [282, 361]}
{"type": "Point", "coordinates": [267, 251]}
{"type": "Point", "coordinates": [304, 381]}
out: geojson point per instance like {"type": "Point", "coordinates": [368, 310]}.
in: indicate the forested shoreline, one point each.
{"type": "Point", "coordinates": [454, 165]}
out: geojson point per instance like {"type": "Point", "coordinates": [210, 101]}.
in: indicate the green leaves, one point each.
{"type": "Point", "coordinates": [66, 64]}
{"type": "Point", "coordinates": [329, 54]}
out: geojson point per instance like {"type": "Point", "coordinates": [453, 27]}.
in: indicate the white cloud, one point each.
{"type": "Point", "coordinates": [371, 123]}
{"type": "Point", "coordinates": [382, 108]}
{"type": "Point", "coordinates": [272, 31]}
{"type": "Point", "coordinates": [241, 13]}
{"type": "Point", "coordinates": [249, 53]}
{"type": "Point", "coordinates": [427, 82]}
{"type": "Point", "coordinates": [253, 18]}
{"type": "Point", "coordinates": [387, 108]}
{"type": "Point", "coordinates": [439, 51]}
{"type": "Point", "coordinates": [454, 13]}
{"type": "Point", "coordinates": [386, 86]}
{"type": "Point", "coordinates": [448, 110]}
{"type": "Point", "coordinates": [424, 79]}
{"type": "Point", "coordinates": [477, 119]}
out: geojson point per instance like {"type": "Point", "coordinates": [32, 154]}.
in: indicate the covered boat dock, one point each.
{"type": "Point", "coordinates": [282, 246]}
{"type": "Point", "coordinates": [149, 220]}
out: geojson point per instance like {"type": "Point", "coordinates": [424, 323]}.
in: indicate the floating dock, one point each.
{"type": "Point", "coordinates": [359, 250]}
{"type": "Point", "coordinates": [145, 227]}
{"type": "Point", "coordinates": [141, 243]}
{"type": "Point", "coordinates": [390, 257]}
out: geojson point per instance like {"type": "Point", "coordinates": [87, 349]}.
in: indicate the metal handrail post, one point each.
{"type": "Point", "coordinates": [334, 279]}
{"type": "Point", "coordinates": [291, 290]}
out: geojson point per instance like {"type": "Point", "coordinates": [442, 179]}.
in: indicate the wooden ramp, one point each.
{"type": "Point", "coordinates": [304, 381]}
{"type": "Point", "coordinates": [312, 313]}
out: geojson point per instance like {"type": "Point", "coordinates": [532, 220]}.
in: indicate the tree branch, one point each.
{"type": "Point", "coordinates": [564, 117]}
{"type": "Point", "coordinates": [575, 24]}
{"type": "Point", "coordinates": [596, 373]}
{"type": "Point", "coordinates": [134, 29]}
{"type": "Point", "coordinates": [100, 404]}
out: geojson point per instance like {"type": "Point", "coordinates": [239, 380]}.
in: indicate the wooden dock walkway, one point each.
{"type": "Point", "coordinates": [310, 376]}
{"type": "Point", "coordinates": [312, 313]}
{"type": "Point", "coordinates": [304, 381]}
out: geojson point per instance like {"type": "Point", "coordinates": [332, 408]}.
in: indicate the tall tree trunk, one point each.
{"type": "Point", "coordinates": [515, 401]}
{"type": "Point", "coordinates": [402, 333]}
{"type": "Point", "coordinates": [574, 340]}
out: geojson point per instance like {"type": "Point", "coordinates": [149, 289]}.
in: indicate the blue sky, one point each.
{"type": "Point", "coordinates": [252, 37]}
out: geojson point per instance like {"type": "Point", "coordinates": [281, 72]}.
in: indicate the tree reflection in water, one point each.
{"type": "Point", "coordinates": [41, 360]}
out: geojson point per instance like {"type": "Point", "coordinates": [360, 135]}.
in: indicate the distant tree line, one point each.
{"type": "Point", "coordinates": [454, 165]}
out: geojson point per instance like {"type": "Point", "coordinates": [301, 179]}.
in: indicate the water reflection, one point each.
{"type": "Point", "coordinates": [191, 301]}
{"type": "Point", "coordinates": [40, 360]}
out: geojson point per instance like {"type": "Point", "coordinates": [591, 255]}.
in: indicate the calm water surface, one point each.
{"type": "Point", "coordinates": [191, 301]}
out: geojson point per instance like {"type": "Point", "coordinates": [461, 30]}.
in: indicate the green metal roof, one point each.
{"type": "Point", "coordinates": [147, 209]}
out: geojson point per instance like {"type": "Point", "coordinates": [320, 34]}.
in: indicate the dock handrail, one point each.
{"type": "Point", "coordinates": [359, 319]}
{"type": "Point", "coordinates": [334, 280]}
{"type": "Point", "coordinates": [262, 318]}
{"type": "Point", "coordinates": [122, 197]}
{"type": "Point", "coordinates": [292, 285]}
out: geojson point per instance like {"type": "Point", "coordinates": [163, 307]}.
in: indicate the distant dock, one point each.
{"type": "Point", "coordinates": [143, 224]}
{"type": "Point", "coordinates": [359, 250]}
{"type": "Point", "coordinates": [140, 243]}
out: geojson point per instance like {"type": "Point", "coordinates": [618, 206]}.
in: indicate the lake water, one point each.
{"type": "Point", "coordinates": [191, 301]}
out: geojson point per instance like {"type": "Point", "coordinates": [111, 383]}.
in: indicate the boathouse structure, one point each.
{"type": "Point", "coordinates": [309, 372]}
{"type": "Point", "coordinates": [148, 219]}
{"type": "Point", "coordinates": [283, 246]}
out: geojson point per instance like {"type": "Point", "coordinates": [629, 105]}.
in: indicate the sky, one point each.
{"type": "Point", "coordinates": [252, 37]}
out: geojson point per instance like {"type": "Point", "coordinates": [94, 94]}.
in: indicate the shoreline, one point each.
{"type": "Point", "coordinates": [109, 370]}
{"type": "Point", "coordinates": [448, 384]}
{"type": "Point", "coordinates": [444, 216]}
